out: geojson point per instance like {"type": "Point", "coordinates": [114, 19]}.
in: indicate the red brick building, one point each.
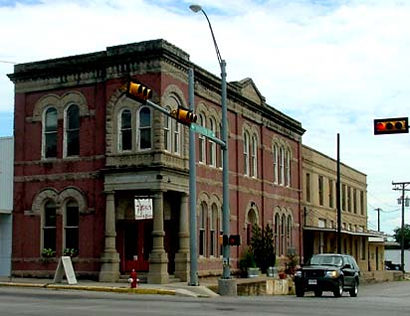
{"type": "Point", "coordinates": [85, 154]}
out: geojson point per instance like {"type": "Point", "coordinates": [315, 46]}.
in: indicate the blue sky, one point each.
{"type": "Point", "coordinates": [333, 65]}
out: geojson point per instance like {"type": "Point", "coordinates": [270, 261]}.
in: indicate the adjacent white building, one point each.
{"type": "Point", "coordinates": [6, 203]}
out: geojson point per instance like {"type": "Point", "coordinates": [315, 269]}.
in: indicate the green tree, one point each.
{"type": "Point", "coordinates": [262, 247]}
{"type": "Point", "coordinates": [398, 235]}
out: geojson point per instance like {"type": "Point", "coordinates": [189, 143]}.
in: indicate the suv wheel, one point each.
{"type": "Point", "coordinates": [300, 292]}
{"type": "Point", "coordinates": [355, 289]}
{"type": "Point", "coordinates": [338, 291]}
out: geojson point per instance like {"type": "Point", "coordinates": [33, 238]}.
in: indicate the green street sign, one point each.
{"type": "Point", "coordinates": [202, 130]}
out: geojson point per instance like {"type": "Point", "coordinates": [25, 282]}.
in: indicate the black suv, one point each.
{"type": "Point", "coordinates": [328, 272]}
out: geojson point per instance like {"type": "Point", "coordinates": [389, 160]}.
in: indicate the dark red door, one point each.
{"type": "Point", "coordinates": [134, 244]}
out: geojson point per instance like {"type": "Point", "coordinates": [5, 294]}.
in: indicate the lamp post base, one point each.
{"type": "Point", "coordinates": [227, 287]}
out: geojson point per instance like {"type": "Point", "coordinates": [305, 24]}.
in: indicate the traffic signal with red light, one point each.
{"type": "Point", "coordinates": [391, 126]}
{"type": "Point", "coordinates": [138, 91]}
{"type": "Point", "coordinates": [234, 240]}
{"type": "Point", "coordinates": [184, 116]}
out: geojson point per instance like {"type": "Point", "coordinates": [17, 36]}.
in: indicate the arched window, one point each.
{"type": "Point", "coordinates": [50, 133]}
{"type": "Point", "coordinates": [201, 138]}
{"type": "Point", "coordinates": [283, 235]}
{"type": "Point", "coordinates": [167, 132]}
{"type": "Point", "coordinates": [72, 131]}
{"type": "Point", "coordinates": [254, 157]}
{"type": "Point", "coordinates": [246, 153]}
{"type": "Point", "coordinates": [251, 220]}
{"type": "Point", "coordinates": [289, 232]}
{"type": "Point", "coordinates": [125, 132]}
{"type": "Point", "coordinates": [219, 135]}
{"type": "Point", "coordinates": [212, 145]}
{"type": "Point", "coordinates": [144, 127]}
{"type": "Point", "coordinates": [213, 230]}
{"type": "Point", "coordinates": [277, 233]}
{"type": "Point", "coordinates": [287, 168]}
{"type": "Point", "coordinates": [202, 228]}
{"type": "Point", "coordinates": [275, 163]}
{"type": "Point", "coordinates": [281, 166]}
{"type": "Point", "coordinates": [71, 221]}
{"type": "Point", "coordinates": [177, 137]}
{"type": "Point", "coordinates": [49, 226]}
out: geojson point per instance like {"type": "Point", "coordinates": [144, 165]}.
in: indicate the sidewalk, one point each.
{"type": "Point", "coordinates": [179, 288]}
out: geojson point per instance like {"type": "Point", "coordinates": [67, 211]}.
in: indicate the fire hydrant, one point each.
{"type": "Point", "coordinates": [133, 279]}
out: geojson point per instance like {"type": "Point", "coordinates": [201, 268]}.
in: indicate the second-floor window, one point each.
{"type": "Point", "coordinates": [50, 133]}
{"type": "Point", "coordinates": [144, 126]}
{"type": "Point", "coordinates": [246, 153]}
{"type": "Point", "coordinates": [125, 134]}
{"type": "Point", "coordinates": [72, 131]}
{"type": "Point", "coordinates": [320, 184]}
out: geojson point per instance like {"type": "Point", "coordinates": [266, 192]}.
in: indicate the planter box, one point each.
{"type": "Point", "coordinates": [253, 272]}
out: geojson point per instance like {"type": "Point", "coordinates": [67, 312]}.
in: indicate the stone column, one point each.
{"type": "Point", "coordinates": [182, 256]}
{"type": "Point", "coordinates": [110, 259]}
{"type": "Point", "coordinates": [158, 259]}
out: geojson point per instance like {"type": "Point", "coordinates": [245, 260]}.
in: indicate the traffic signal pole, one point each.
{"type": "Point", "coordinates": [193, 280]}
{"type": "Point", "coordinates": [401, 186]}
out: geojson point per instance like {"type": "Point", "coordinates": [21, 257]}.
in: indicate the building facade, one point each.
{"type": "Point", "coordinates": [320, 210]}
{"type": "Point", "coordinates": [88, 159]}
{"type": "Point", "coordinates": [6, 203]}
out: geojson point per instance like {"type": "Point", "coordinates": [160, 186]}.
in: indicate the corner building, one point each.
{"type": "Point", "coordinates": [85, 155]}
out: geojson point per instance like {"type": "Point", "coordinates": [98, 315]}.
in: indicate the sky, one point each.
{"type": "Point", "coordinates": [334, 66]}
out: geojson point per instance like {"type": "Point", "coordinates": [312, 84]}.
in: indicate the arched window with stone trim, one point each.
{"type": "Point", "coordinates": [275, 164]}
{"type": "Point", "coordinates": [277, 233]}
{"type": "Point", "coordinates": [283, 235]}
{"type": "Point", "coordinates": [71, 225]}
{"type": "Point", "coordinates": [201, 140]}
{"type": "Point", "coordinates": [213, 247]}
{"type": "Point", "coordinates": [254, 157]}
{"type": "Point", "coordinates": [289, 225]}
{"type": "Point", "coordinates": [212, 144]}
{"type": "Point", "coordinates": [144, 128]}
{"type": "Point", "coordinates": [246, 153]}
{"type": "Point", "coordinates": [50, 133]}
{"type": "Point", "coordinates": [72, 131]}
{"type": "Point", "coordinates": [202, 228]}
{"type": "Point", "coordinates": [49, 225]}
{"type": "Point", "coordinates": [252, 219]}
{"type": "Point", "coordinates": [167, 132]}
{"type": "Point", "coordinates": [281, 166]}
{"type": "Point", "coordinates": [287, 168]}
{"type": "Point", "coordinates": [125, 130]}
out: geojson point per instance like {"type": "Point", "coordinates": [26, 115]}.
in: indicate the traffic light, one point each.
{"type": "Point", "coordinates": [138, 91]}
{"type": "Point", "coordinates": [184, 116]}
{"type": "Point", "coordinates": [234, 240]}
{"type": "Point", "coordinates": [391, 125]}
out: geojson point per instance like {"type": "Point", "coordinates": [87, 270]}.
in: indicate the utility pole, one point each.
{"type": "Point", "coordinates": [401, 186]}
{"type": "Point", "coordinates": [378, 218]}
{"type": "Point", "coordinates": [338, 200]}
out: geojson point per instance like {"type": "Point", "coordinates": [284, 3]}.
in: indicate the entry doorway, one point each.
{"type": "Point", "coordinates": [134, 244]}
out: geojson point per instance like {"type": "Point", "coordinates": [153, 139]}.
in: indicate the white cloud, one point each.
{"type": "Point", "coordinates": [332, 65]}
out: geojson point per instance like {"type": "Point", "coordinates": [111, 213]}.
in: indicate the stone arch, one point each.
{"type": "Point", "coordinates": [41, 198]}
{"type": "Point", "coordinates": [173, 91]}
{"type": "Point", "coordinates": [251, 207]}
{"type": "Point", "coordinates": [75, 194]}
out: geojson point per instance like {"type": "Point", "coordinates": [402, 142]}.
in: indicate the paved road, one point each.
{"type": "Point", "coordinates": [386, 299]}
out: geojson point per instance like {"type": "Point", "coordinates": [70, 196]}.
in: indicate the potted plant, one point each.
{"type": "Point", "coordinates": [47, 254]}
{"type": "Point", "coordinates": [247, 264]}
{"type": "Point", "coordinates": [71, 252]}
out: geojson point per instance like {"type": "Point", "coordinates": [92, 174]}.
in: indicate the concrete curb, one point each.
{"type": "Point", "coordinates": [93, 288]}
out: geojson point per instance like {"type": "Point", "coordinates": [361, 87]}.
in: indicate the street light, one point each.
{"type": "Point", "coordinates": [225, 172]}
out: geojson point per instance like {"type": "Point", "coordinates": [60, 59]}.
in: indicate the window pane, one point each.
{"type": "Point", "coordinates": [145, 117]}
{"type": "Point", "coordinates": [126, 119]}
{"type": "Point", "coordinates": [49, 238]}
{"type": "Point", "coordinates": [145, 138]}
{"type": "Point", "coordinates": [51, 145]}
{"type": "Point", "coordinates": [51, 120]}
{"type": "Point", "coordinates": [73, 144]}
{"type": "Point", "coordinates": [72, 218]}
{"type": "Point", "coordinates": [126, 140]}
{"type": "Point", "coordinates": [73, 117]}
{"type": "Point", "coordinates": [50, 216]}
{"type": "Point", "coordinates": [71, 238]}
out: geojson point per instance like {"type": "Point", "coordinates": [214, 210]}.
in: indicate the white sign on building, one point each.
{"type": "Point", "coordinates": [143, 208]}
